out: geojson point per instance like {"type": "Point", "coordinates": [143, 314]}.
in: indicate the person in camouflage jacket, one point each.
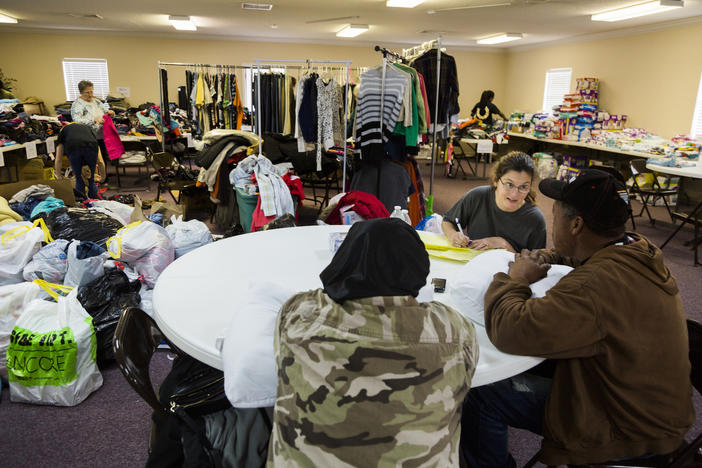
{"type": "Point", "coordinates": [368, 376]}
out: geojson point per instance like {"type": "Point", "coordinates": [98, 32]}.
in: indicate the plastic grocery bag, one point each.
{"type": "Point", "coordinates": [187, 235]}
{"type": "Point", "coordinates": [51, 358]}
{"type": "Point", "coordinates": [468, 286]}
{"type": "Point", "coordinates": [13, 299]}
{"type": "Point", "coordinates": [18, 244]}
{"type": "Point", "coordinates": [145, 246]}
{"type": "Point", "coordinates": [50, 263]}
{"type": "Point", "coordinates": [248, 357]}
{"type": "Point", "coordinates": [85, 263]}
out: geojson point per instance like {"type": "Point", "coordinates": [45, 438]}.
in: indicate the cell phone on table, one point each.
{"type": "Point", "coordinates": [439, 284]}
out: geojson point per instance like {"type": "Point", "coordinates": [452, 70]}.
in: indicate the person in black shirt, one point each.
{"type": "Point", "coordinates": [485, 109]}
{"type": "Point", "coordinates": [79, 143]}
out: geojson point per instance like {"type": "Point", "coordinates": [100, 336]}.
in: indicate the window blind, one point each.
{"type": "Point", "coordinates": [557, 85]}
{"type": "Point", "coordinates": [696, 129]}
{"type": "Point", "coordinates": [93, 70]}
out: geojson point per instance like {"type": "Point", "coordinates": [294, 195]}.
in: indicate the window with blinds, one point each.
{"type": "Point", "coordinates": [696, 129]}
{"type": "Point", "coordinates": [557, 85]}
{"type": "Point", "coordinates": [93, 70]}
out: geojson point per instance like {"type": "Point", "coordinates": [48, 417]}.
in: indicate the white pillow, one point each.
{"type": "Point", "coordinates": [468, 286]}
{"type": "Point", "coordinates": [250, 379]}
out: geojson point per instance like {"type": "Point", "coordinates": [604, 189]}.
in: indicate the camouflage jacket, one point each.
{"type": "Point", "coordinates": [373, 382]}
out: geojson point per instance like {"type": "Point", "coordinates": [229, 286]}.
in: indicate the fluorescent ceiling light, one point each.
{"type": "Point", "coordinates": [7, 19]}
{"type": "Point", "coordinates": [257, 6]}
{"type": "Point", "coordinates": [182, 23]}
{"type": "Point", "coordinates": [352, 30]}
{"type": "Point", "coordinates": [506, 37]}
{"type": "Point", "coordinates": [639, 9]}
{"type": "Point", "coordinates": [403, 3]}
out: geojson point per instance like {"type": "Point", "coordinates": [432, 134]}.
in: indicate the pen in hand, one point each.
{"type": "Point", "coordinates": [460, 229]}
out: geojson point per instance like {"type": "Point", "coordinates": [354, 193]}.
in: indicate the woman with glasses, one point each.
{"type": "Point", "coordinates": [502, 215]}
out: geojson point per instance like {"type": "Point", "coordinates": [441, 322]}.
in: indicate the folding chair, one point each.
{"type": "Point", "coordinates": [654, 193]}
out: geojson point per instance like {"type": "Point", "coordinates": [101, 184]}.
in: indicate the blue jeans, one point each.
{"type": "Point", "coordinates": [488, 411]}
{"type": "Point", "coordinates": [79, 157]}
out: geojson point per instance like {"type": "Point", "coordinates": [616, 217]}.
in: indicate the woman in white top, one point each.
{"type": "Point", "coordinates": [87, 109]}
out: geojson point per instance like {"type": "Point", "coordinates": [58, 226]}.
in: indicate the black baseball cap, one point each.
{"type": "Point", "coordinates": [600, 198]}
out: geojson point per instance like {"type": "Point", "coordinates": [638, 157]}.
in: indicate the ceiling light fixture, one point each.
{"type": "Point", "coordinates": [257, 6]}
{"type": "Point", "coordinates": [182, 23]}
{"type": "Point", "coordinates": [403, 3]}
{"type": "Point", "coordinates": [352, 30]}
{"type": "Point", "coordinates": [500, 38]}
{"type": "Point", "coordinates": [7, 19]}
{"type": "Point", "coordinates": [639, 9]}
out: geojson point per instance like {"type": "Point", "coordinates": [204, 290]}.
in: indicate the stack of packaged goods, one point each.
{"type": "Point", "coordinates": [686, 147]}
{"type": "Point", "coordinates": [546, 126]}
{"type": "Point", "coordinates": [588, 89]}
{"type": "Point", "coordinates": [518, 123]}
{"type": "Point", "coordinates": [572, 165]}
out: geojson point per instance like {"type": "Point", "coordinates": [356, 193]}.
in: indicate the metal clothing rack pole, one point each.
{"type": "Point", "coordinates": [436, 114]}
{"type": "Point", "coordinates": [347, 66]}
{"type": "Point", "coordinates": [163, 65]}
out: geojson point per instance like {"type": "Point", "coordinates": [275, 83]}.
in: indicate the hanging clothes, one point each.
{"type": "Point", "coordinates": [329, 132]}
{"type": "Point", "coordinates": [447, 86]}
{"type": "Point", "coordinates": [368, 118]}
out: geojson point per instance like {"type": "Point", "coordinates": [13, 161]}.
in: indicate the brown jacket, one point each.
{"type": "Point", "coordinates": [617, 327]}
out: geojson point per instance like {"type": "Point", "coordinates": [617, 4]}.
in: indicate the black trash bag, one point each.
{"type": "Point", "coordinates": [104, 299]}
{"type": "Point", "coordinates": [81, 224]}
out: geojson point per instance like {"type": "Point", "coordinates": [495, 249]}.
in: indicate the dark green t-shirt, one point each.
{"type": "Point", "coordinates": [77, 135]}
{"type": "Point", "coordinates": [480, 217]}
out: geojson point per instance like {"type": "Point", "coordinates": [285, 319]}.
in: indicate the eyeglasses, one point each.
{"type": "Point", "coordinates": [520, 188]}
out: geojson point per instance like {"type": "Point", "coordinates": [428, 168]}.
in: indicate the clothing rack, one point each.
{"type": "Point", "coordinates": [435, 43]}
{"type": "Point", "coordinates": [389, 53]}
{"type": "Point", "coordinates": [163, 65]}
{"type": "Point", "coordinates": [308, 63]}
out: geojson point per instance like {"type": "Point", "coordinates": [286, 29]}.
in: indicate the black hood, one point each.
{"type": "Point", "coordinates": [379, 257]}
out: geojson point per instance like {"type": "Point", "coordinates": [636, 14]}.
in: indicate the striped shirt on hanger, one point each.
{"type": "Point", "coordinates": [368, 109]}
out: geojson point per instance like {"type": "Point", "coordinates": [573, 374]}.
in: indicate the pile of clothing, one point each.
{"type": "Point", "coordinates": [17, 127]}
{"type": "Point", "coordinates": [275, 186]}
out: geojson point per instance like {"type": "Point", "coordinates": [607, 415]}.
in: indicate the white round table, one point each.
{"type": "Point", "coordinates": [196, 295]}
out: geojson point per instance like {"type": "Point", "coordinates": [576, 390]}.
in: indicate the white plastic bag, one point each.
{"type": "Point", "coordinates": [468, 286]}
{"type": "Point", "coordinates": [18, 243]}
{"type": "Point", "coordinates": [187, 235]}
{"type": "Point", "coordinates": [13, 299]}
{"type": "Point", "coordinates": [82, 271]}
{"type": "Point", "coordinates": [120, 211]}
{"type": "Point", "coordinates": [52, 355]}
{"type": "Point", "coordinates": [250, 379]}
{"type": "Point", "coordinates": [145, 246]}
{"type": "Point", "coordinates": [50, 263]}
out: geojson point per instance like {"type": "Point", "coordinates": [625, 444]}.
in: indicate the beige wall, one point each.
{"type": "Point", "coordinates": [35, 61]}
{"type": "Point", "coordinates": [652, 77]}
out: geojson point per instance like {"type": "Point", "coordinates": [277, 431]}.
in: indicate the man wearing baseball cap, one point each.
{"type": "Point", "coordinates": [613, 329]}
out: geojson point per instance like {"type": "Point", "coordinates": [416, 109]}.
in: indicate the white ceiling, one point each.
{"type": "Point", "coordinates": [539, 20]}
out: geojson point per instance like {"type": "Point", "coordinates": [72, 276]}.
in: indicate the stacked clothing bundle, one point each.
{"type": "Point", "coordinates": [17, 127]}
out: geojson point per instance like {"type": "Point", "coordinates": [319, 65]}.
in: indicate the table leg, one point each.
{"type": "Point", "coordinates": [687, 219]}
